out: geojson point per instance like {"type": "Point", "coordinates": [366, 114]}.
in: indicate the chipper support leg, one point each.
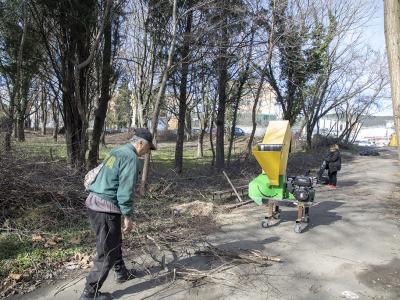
{"type": "Point", "coordinates": [300, 217]}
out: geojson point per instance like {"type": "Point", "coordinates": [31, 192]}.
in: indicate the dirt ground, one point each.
{"type": "Point", "coordinates": [350, 249]}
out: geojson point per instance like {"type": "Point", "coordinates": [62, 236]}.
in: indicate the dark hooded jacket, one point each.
{"type": "Point", "coordinates": [334, 161]}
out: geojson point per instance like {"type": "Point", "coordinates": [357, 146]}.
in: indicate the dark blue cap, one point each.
{"type": "Point", "coordinates": [145, 134]}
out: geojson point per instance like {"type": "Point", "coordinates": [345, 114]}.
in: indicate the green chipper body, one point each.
{"type": "Point", "coordinates": [273, 187]}
{"type": "Point", "coordinates": [272, 155]}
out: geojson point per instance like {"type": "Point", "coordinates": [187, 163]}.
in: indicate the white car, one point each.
{"type": "Point", "coordinates": [364, 143]}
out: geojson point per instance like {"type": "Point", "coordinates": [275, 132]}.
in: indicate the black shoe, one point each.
{"type": "Point", "coordinates": [124, 274]}
{"type": "Point", "coordinates": [86, 295]}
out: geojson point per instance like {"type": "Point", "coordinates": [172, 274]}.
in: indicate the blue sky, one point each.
{"type": "Point", "coordinates": [375, 36]}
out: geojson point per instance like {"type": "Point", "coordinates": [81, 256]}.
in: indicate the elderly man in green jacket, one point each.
{"type": "Point", "coordinates": [110, 197]}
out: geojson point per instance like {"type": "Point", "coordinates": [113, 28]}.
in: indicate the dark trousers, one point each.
{"type": "Point", "coordinates": [332, 178]}
{"type": "Point", "coordinates": [108, 246]}
{"type": "Point", "coordinates": [322, 169]}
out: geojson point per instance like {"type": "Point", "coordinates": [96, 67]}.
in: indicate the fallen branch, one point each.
{"type": "Point", "coordinates": [230, 207]}
{"type": "Point", "coordinates": [251, 256]}
{"type": "Point", "coordinates": [166, 188]}
{"type": "Point", "coordinates": [233, 187]}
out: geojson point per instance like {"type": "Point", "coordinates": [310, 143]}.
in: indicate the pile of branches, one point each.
{"type": "Point", "coordinates": [180, 260]}
{"type": "Point", "coordinates": [226, 259]}
{"type": "Point", "coordinates": [27, 184]}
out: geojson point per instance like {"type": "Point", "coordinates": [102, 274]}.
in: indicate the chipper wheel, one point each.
{"type": "Point", "coordinates": [297, 227]}
{"type": "Point", "coordinates": [265, 223]}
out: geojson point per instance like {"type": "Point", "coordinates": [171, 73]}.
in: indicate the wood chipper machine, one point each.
{"type": "Point", "coordinates": [273, 187]}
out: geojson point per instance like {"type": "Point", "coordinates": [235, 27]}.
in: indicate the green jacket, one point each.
{"type": "Point", "coordinates": [117, 178]}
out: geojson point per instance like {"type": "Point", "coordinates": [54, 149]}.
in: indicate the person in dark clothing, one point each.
{"type": "Point", "coordinates": [333, 164]}
{"type": "Point", "coordinates": [110, 197]}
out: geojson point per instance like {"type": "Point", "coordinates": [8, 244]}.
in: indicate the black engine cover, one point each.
{"type": "Point", "coordinates": [304, 181]}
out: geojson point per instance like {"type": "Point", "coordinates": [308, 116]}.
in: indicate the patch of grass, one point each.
{"type": "Point", "coordinates": [20, 255]}
{"type": "Point", "coordinates": [11, 246]}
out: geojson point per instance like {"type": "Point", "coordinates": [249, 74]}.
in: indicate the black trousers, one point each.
{"type": "Point", "coordinates": [108, 246]}
{"type": "Point", "coordinates": [332, 178]}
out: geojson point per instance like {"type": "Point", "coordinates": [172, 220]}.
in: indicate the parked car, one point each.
{"type": "Point", "coordinates": [239, 131]}
{"type": "Point", "coordinates": [364, 143]}
{"type": "Point", "coordinates": [196, 130]}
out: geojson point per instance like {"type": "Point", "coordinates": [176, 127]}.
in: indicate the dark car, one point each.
{"type": "Point", "coordinates": [239, 131]}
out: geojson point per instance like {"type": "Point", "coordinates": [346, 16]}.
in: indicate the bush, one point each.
{"type": "Point", "coordinates": [322, 141]}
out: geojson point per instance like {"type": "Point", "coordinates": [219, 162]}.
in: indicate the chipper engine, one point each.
{"type": "Point", "coordinates": [273, 187]}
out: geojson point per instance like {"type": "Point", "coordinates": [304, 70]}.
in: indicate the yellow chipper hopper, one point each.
{"type": "Point", "coordinates": [273, 187]}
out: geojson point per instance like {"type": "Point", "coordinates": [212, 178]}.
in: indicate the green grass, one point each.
{"type": "Point", "coordinates": [164, 158]}
{"type": "Point", "coordinates": [45, 147]}
{"type": "Point", "coordinates": [19, 254]}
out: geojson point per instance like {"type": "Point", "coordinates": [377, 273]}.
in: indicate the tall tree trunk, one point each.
{"type": "Point", "coordinates": [36, 120]}
{"type": "Point", "coordinates": [140, 99]}
{"type": "Point", "coordinates": [55, 120]}
{"type": "Point", "coordinates": [392, 34]}
{"type": "Point", "coordinates": [183, 94]}
{"type": "Point", "coordinates": [22, 109]}
{"type": "Point", "coordinates": [160, 97]}
{"type": "Point", "coordinates": [261, 83]}
{"type": "Point", "coordinates": [310, 130]}
{"type": "Point", "coordinates": [200, 140]}
{"type": "Point", "coordinates": [188, 125]}
{"type": "Point", "coordinates": [211, 131]}
{"type": "Point", "coordinates": [222, 83]}
{"type": "Point", "coordinates": [9, 124]}
{"type": "Point", "coordinates": [200, 143]}
{"type": "Point", "coordinates": [43, 106]}
{"type": "Point", "coordinates": [101, 111]}
{"type": "Point", "coordinates": [21, 130]}
{"type": "Point", "coordinates": [242, 80]}
{"type": "Point", "coordinates": [17, 87]}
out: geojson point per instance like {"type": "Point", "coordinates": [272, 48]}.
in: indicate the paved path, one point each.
{"type": "Point", "coordinates": [351, 248]}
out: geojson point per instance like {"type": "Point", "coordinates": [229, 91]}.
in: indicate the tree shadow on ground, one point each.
{"type": "Point", "coordinates": [383, 277]}
{"type": "Point", "coordinates": [346, 183]}
{"type": "Point", "coordinates": [196, 262]}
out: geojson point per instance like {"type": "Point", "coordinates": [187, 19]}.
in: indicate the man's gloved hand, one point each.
{"type": "Point", "coordinates": [128, 224]}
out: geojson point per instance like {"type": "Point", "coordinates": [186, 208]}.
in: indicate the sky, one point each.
{"type": "Point", "coordinates": [375, 36]}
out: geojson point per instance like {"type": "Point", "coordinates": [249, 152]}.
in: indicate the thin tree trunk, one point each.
{"type": "Point", "coordinates": [211, 132]}
{"type": "Point", "coordinates": [36, 120]}
{"type": "Point", "coordinates": [55, 120]}
{"type": "Point", "coordinates": [188, 125]}
{"type": "Point", "coordinates": [43, 106]}
{"type": "Point", "coordinates": [254, 114]}
{"type": "Point", "coordinates": [392, 34]}
{"type": "Point", "coordinates": [261, 83]}
{"type": "Point", "coordinates": [242, 80]}
{"type": "Point", "coordinates": [222, 83]}
{"type": "Point", "coordinates": [101, 111]}
{"type": "Point", "coordinates": [183, 95]}
{"type": "Point", "coordinates": [141, 93]}
{"type": "Point", "coordinates": [200, 144]}
{"type": "Point", "coordinates": [200, 139]}
{"type": "Point", "coordinates": [160, 97]}
{"type": "Point", "coordinates": [17, 87]}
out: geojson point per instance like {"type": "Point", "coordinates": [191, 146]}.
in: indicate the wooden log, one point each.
{"type": "Point", "coordinates": [233, 187]}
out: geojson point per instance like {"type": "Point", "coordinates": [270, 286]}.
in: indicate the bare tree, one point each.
{"type": "Point", "coordinates": [67, 32]}
{"type": "Point", "coordinates": [392, 35]}
{"type": "Point", "coordinates": [160, 96]}
{"type": "Point", "coordinates": [183, 92]}
{"type": "Point", "coordinates": [101, 111]}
